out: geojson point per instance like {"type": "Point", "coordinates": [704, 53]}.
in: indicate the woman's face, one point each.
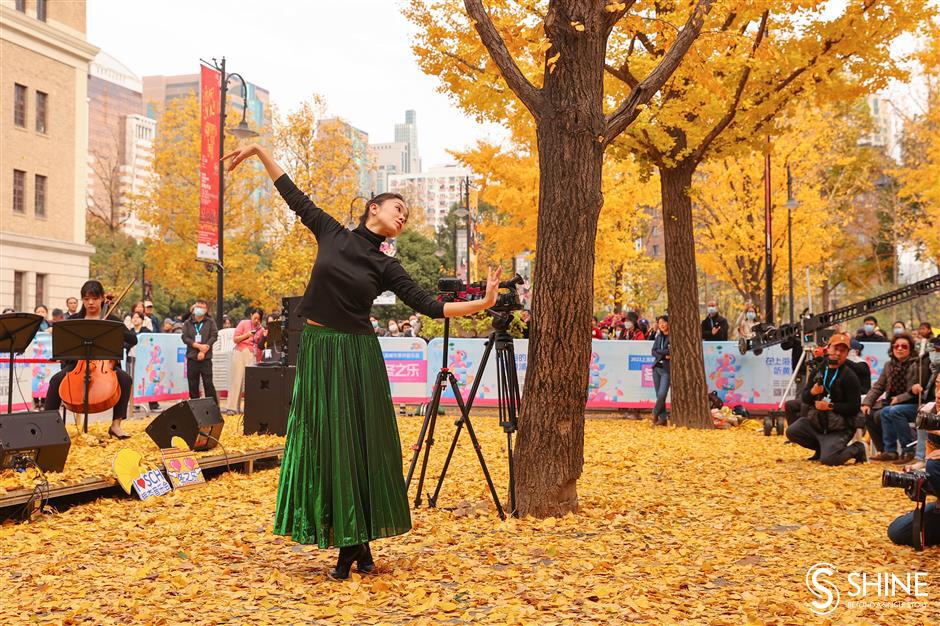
{"type": "Point", "coordinates": [255, 319]}
{"type": "Point", "coordinates": [41, 310]}
{"type": "Point", "coordinates": [389, 218]}
{"type": "Point", "coordinates": [664, 326]}
{"type": "Point", "coordinates": [92, 304]}
{"type": "Point", "coordinates": [137, 320]}
{"type": "Point", "coordinates": [139, 308]}
{"type": "Point", "coordinates": [901, 349]}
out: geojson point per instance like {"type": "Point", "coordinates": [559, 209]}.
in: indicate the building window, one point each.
{"type": "Point", "coordinates": [40, 196]}
{"type": "Point", "coordinates": [41, 100]}
{"type": "Point", "coordinates": [19, 105]}
{"type": "Point", "coordinates": [655, 249]}
{"type": "Point", "coordinates": [19, 191]}
{"type": "Point", "coordinates": [41, 10]}
{"type": "Point", "coordinates": [19, 280]}
{"type": "Point", "coordinates": [21, 6]}
{"type": "Point", "coordinates": [41, 289]}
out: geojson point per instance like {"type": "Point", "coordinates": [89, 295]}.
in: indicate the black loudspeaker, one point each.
{"type": "Point", "coordinates": [268, 394]}
{"type": "Point", "coordinates": [295, 326]}
{"type": "Point", "coordinates": [39, 435]}
{"type": "Point", "coordinates": [199, 423]}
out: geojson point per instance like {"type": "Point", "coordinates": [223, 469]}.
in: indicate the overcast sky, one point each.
{"type": "Point", "coordinates": [356, 53]}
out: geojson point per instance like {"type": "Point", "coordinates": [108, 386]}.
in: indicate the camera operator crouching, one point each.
{"type": "Point", "coordinates": [901, 530]}
{"type": "Point", "coordinates": [834, 399]}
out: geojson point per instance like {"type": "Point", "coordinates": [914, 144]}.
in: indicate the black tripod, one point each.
{"type": "Point", "coordinates": [508, 399]}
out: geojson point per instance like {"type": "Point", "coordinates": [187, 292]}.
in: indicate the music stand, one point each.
{"type": "Point", "coordinates": [88, 340]}
{"type": "Point", "coordinates": [17, 331]}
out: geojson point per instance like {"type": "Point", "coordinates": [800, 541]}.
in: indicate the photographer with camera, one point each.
{"type": "Point", "coordinates": [918, 485]}
{"type": "Point", "coordinates": [830, 422]}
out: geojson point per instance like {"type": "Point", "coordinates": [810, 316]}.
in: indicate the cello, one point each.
{"type": "Point", "coordinates": [103, 390]}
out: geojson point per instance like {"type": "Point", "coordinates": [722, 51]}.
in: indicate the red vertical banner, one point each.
{"type": "Point", "coordinates": [207, 238]}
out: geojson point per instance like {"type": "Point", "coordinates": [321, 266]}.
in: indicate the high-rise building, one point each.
{"type": "Point", "coordinates": [360, 152]}
{"type": "Point", "coordinates": [120, 143]}
{"type": "Point", "coordinates": [884, 134]}
{"type": "Point", "coordinates": [407, 133]}
{"type": "Point", "coordinates": [44, 59]}
{"type": "Point", "coordinates": [433, 192]}
{"type": "Point", "coordinates": [388, 159]}
{"type": "Point", "coordinates": [160, 90]}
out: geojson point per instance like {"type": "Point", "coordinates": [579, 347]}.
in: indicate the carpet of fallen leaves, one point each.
{"type": "Point", "coordinates": [675, 527]}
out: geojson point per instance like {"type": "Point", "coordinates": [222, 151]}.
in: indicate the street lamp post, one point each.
{"type": "Point", "coordinates": [242, 131]}
{"type": "Point", "coordinates": [351, 222]}
{"type": "Point", "coordinates": [768, 243]}
{"type": "Point", "coordinates": [791, 204]}
{"type": "Point", "coordinates": [464, 212]}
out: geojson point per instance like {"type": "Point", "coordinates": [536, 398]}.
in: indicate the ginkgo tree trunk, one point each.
{"type": "Point", "coordinates": [573, 132]}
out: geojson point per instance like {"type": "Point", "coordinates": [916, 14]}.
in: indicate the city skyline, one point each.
{"type": "Point", "coordinates": [374, 101]}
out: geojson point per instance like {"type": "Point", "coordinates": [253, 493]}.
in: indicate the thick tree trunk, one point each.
{"type": "Point", "coordinates": [689, 390]}
{"type": "Point", "coordinates": [550, 445]}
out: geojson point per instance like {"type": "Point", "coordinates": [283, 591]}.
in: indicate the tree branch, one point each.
{"type": "Point", "coordinates": [614, 16]}
{"type": "Point", "coordinates": [528, 93]}
{"type": "Point", "coordinates": [628, 111]}
{"type": "Point", "coordinates": [623, 73]}
{"type": "Point", "coordinates": [736, 100]}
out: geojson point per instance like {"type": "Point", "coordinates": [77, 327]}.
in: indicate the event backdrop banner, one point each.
{"type": "Point", "coordinates": [619, 376]}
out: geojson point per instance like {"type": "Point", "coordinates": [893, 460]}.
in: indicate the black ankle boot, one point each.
{"type": "Point", "coordinates": [365, 564]}
{"type": "Point", "coordinates": [347, 554]}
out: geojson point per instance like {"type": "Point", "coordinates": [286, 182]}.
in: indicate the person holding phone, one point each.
{"type": "Point", "coordinates": [248, 334]}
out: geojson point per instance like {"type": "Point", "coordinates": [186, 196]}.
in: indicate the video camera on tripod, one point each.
{"type": "Point", "coordinates": [453, 289]}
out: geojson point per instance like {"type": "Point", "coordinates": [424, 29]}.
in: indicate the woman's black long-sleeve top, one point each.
{"type": "Point", "coordinates": [350, 270]}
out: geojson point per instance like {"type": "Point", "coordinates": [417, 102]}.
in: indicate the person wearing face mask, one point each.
{"type": "Point", "coordinates": [415, 325]}
{"type": "Point", "coordinates": [870, 331]}
{"type": "Point", "coordinates": [377, 327]}
{"type": "Point", "coordinates": [631, 328]}
{"type": "Point", "coordinates": [743, 331]}
{"type": "Point", "coordinates": [199, 334]}
{"type": "Point", "coordinates": [714, 326]}
{"type": "Point", "coordinates": [832, 419]}
{"type": "Point", "coordinates": [393, 330]}
{"type": "Point", "coordinates": [897, 328]}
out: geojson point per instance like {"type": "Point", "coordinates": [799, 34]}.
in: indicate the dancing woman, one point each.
{"type": "Point", "coordinates": [341, 480]}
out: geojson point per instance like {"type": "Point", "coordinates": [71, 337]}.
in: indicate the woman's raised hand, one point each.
{"type": "Point", "coordinates": [240, 155]}
{"type": "Point", "coordinates": [492, 285]}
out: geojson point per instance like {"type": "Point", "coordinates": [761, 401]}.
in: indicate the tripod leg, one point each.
{"type": "Point", "coordinates": [428, 412]}
{"type": "Point", "coordinates": [479, 451]}
{"type": "Point", "coordinates": [431, 421]}
{"type": "Point", "coordinates": [509, 395]}
{"type": "Point", "coordinates": [432, 501]}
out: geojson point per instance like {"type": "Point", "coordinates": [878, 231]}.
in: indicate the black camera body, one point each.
{"type": "Point", "coordinates": [451, 289]}
{"type": "Point", "coordinates": [927, 421]}
{"type": "Point", "coordinates": [914, 483]}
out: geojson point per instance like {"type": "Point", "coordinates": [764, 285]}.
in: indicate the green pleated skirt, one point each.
{"type": "Point", "coordinates": [341, 479]}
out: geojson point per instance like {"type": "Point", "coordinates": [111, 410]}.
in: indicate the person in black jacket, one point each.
{"type": "Point", "coordinates": [714, 326]}
{"type": "Point", "coordinates": [199, 334]}
{"type": "Point", "coordinates": [661, 370]}
{"type": "Point", "coordinates": [92, 293]}
{"type": "Point", "coordinates": [833, 417]}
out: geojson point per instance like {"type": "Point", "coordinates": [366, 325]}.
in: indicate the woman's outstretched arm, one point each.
{"type": "Point", "coordinates": [274, 170]}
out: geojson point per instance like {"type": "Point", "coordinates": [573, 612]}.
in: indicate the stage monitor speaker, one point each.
{"type": "Point", "coordinates": [38, 435]}
{"type": "Point", "coordinates": [295, 326]}
{"type": "Point", "coordinates": [268, 394]}
{"type": "Point", "coordinates": [199, 423]}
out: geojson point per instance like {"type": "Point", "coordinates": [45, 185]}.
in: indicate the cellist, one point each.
{"type": "Point", "coordinates": [93, 307]}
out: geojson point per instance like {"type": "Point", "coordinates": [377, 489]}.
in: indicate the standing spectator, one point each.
{"type": "Point", "coordinates": [661, 370]}
{"type": "Point", "coordinates": [393, 329]}
{"type": "Point", "coordinates": [227, 322]}
{"type": "Point", "coordinates": [139, 309]}
{"type": "Point", "coordinates": [199, 334]}
{"type": "Point", "coordinates": [137, 325]}
{"type": "Point", "coordinates": [377, 326]}
{"type": "Point", "coordinates": [415, 324]}
{"type": "Point", "coordinates": [714, 326]}
{"type": "Point", "coordinates": [406, 330]}
{"type": "Point", "coordinates": [148, 311]}
{"type": "Point", "coordinates": [870, 331]}
{"type": "Point", "coordinates": [71, 306]}
{"type": "Point", "coordinates": [57, 316]}
{"type": "Point", "coordinates": [896, 382]}
{"type": "Point", "coordinates": [631, 330]}
{"type": "Point", "coordinates": [596, 329]}
{"type": "Point", "coordinates": [167, 325]}
{"type": "Point", "coordinates": [925, 330]}
{"type": "Point", "coordinates": [42, 310]}
{"type": "Point", "coordinates": [748, 320]}
{"type": "Point", "coordinates": [898, 328]}
{"type": "Point", "coordinates": [247, 334]}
